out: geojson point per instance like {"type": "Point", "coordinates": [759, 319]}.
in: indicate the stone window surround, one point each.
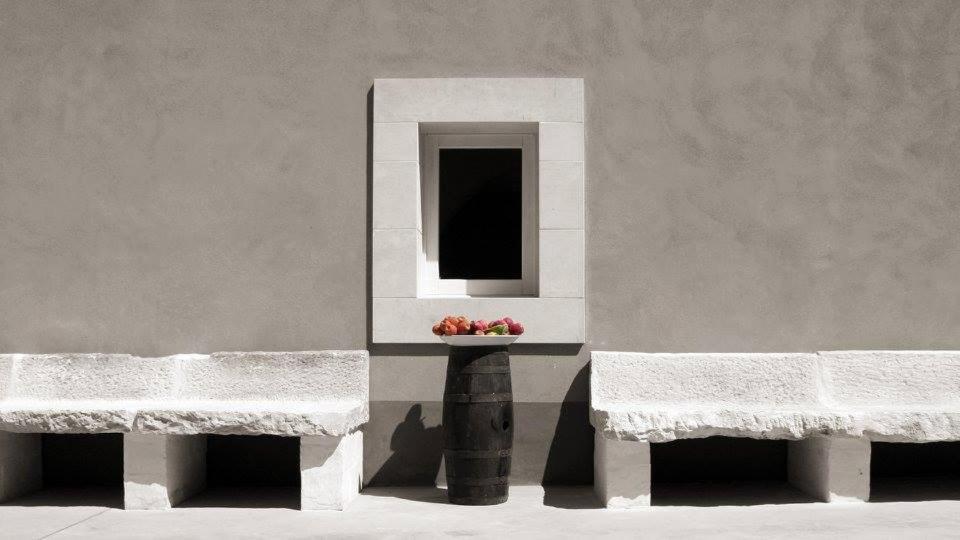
{"type": "Point", "coordinates": [402, 312]}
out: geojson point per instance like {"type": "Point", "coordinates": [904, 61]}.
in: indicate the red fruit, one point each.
{"type": "Point", "coordinates": [480, 326]}
{"type": "Point", "coordinates": [449, 328]}
{"type": "Point", "coordinates": [463, 327]}
{"type": "Point", "coordinates": [507, 320]}
{"type": "Point", "coordinates": [515, 328]}
{"type": "Point", "coordinates": [437, 329]}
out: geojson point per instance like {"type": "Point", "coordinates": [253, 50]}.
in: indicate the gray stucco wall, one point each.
{"type": "Point", "coordinates": [192, 177]}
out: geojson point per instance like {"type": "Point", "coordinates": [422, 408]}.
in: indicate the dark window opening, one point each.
{"type": "Point", "coordinates": [480, 213]}
{"type": "Point", "coordinates": [914, 471]}
{"type": "Point", "coordinates": [721, 471]}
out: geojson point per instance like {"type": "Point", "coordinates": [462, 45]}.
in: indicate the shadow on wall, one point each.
{"type": "Point", "coordinates": [570, 458]}
{"type": "Point", "coordinates": [553, 442]}
{"type": "Point", "coordinates": [416, 453]}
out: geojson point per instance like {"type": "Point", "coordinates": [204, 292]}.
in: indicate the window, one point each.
{"type": "Point", "coordinates": [480, 214]}
{"type": "Point", "coordinates": [448, 147]}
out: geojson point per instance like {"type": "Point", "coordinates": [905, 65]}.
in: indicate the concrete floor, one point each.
{"type": "Point", "coordinates": [531, 512]}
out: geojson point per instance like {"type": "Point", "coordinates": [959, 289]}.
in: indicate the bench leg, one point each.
{"type": "Point", "coordinates": [21, 464]}
{"type": "Point", "coordinates": [621, 472]}
{"type": "Point", "coordinates": [331, 470]}
{"type": "Point", "coordinates": [160, 471]}
{"type": "Point", "coordinates": [832, 469]}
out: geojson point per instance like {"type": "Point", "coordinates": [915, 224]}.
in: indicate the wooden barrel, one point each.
{"type": "Point", "coordinates": [477, 425]}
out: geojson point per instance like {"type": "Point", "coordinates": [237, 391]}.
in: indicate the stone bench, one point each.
{"type": "Point", "coordinates": [830, 405]}
{"type": "Point", "coordinates": [166, 406]}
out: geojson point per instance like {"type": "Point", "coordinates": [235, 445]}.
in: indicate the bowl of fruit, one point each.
{"type": "Point", "coordinates": [463, 332]}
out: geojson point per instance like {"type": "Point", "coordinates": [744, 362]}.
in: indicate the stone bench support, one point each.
{"type": "Point", "coordinates": [331, 471]}
{"type": "Point", "coordinates": [621, 472]}
{"type": "Point", "coordinates": [831, 469]}
{"type": "Point", "coordinates": [160, 471]}
{"type": "Point", "coordinates": [21, 464]}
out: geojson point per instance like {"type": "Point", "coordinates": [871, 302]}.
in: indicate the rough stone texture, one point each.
{"type": "Point", "coordinates": [6, 374]}
{"type": "Point", "coordinates": [51, 377]}
{"type": "Point", "coordinates": [662, 397]}
{"type": "Point", "coordinates": [287, 393]}
{"type": "Point", "coordinates": [909, 397]}
{"type": "Point", "coordinates": [21, 467]}
{"type": "Point", "coordinates": [832, 469]}
{"type": "Point", "coordinates": [160, 471]}
{"type": "Point", "coordinates": [892, 378]}
{"type": "Point", "coordinates": [662, 423]}
{"type": "Point", "coordinates": [288, 418]}
{"type": "Point", "coordinates": [292, 376]}
{"type": "Point", "coordinates": [331, 471]}
{"type": "Point", "coordinates": [896, 396]}
{"type": "Point", "coordinates": [75, 416]}
{"type": "Point", "coordinates": [737, 380]}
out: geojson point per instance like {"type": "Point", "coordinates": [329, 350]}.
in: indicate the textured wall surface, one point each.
{"type": "Point", "coordinates": [761, 176]}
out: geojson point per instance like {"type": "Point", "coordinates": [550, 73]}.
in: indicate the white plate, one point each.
{"type": "Point", "coordinates": [476, 341]}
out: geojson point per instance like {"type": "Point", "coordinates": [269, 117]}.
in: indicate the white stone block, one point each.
{"type": "Point", "coordinates": [160, 471]}
{"type": "Point", "coordinates": [561, 263]}
{"type": "Point", "coordinates": [301, 376]}
{"type": "Point", "coordinates": [662, 397]}
{"type": "Point", "coordinates": [234, 417]}
{"type": "Point", "coordinates": [907, 379]}
{"type": "Point", "coordinates": [67, 416]}
{"type": "Point", "coordinates": [895, 396]}
{"type": "Point", "coordinates": [689, 380]}
{"type": "Point", "coordinates": [396, 141]}
{"type": "Point", "coordinates": [309, 393]}
{"type": "Point", "coordinates": [68, 377]}
{"type": "Point", "coordinates": [331, 471]}
{"type": "Point", "coordinates": [396, 263]}
{"type": "Point", "coordinates": [21, 464]}
{"type": "Point", "coordinates": [396, 195]}
{"type": "Point", "coordinates": [832, 469]}
{"type": "Point", "coordinates": [6, 373]}
{"type": "Point", "coordinates": [546, 320]}
{"type": "Point", "coordinates": [561, 141]}
{"type": "Point", "coordinates": [561, 195]}
{"type": "Point", "coordinates": [621, 472]}
{"type": "Point", "coordinates": [478, 100]}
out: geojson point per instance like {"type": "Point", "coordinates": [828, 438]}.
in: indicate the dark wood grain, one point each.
{"type": "Point", "coordinates": [478, 425]}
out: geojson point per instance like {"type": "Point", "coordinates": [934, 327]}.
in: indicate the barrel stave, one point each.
{"type": "Point", "coordinates": [478, 425]}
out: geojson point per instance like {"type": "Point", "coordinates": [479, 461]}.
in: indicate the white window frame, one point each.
{"type": "Point", "coordinates": [431, 284]}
